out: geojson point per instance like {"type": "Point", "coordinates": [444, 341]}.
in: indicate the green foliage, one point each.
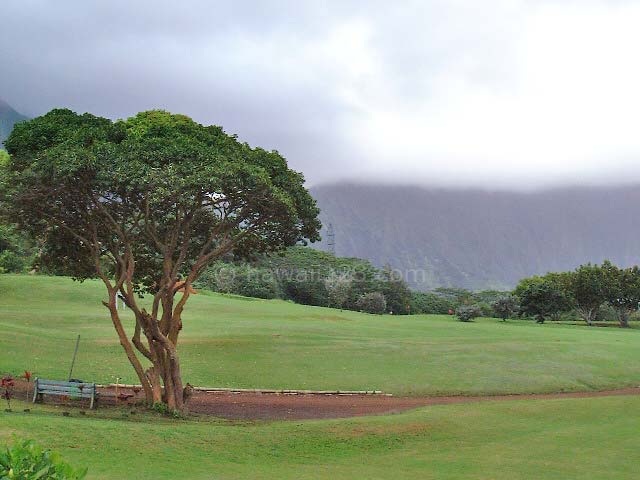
{"type": "Point", "coordinates": [17, 253]}
{"type": "Point", "coordinates": [589, 286]}
{"type": "Point", "coordinates": [76, 181]}
{"type": "Point", "coordinates": [27, 461]}
{"type": "Point", "coordinates": [240, 279]}
{"type": "Point", "coordinates": [583, 291]}
{"type": "Point", "coordinates": [505, 306]}
{"type": "Point", "coordinates": [623, 292]}
{"type": "Point", "coordinates": [542, 297]}
{"type": "Point", "coordinates": [309, 277]}
{"type": "Point", "coordinates": [485, 309]}
{"type": "Point", "coordinates": [459, 296]}
{"type": "Point", "coordinates": [431, 303]}
{"type": "Point", "coordinates": [373, 302]}
{"type": "Point", "coordinates": [395, 291]}
{"type": "Point", "coordinates": [338, 287]}
{"type": "Point", "coordinates": [466, 313]}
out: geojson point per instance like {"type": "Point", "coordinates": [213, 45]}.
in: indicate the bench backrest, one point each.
{"type": "Point", "coordinates": [72, 389]}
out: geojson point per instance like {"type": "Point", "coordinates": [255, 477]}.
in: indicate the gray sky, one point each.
{"type": "Point", "coordinates": [498, 93]}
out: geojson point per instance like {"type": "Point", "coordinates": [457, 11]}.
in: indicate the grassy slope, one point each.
{"type": "Point", "coordinates": [577, 438]}
{"type": "Point", "coordinates": [252, 343]}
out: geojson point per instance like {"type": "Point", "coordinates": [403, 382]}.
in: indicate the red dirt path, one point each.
{"type": "Point", "coordinates": [253, 406]}
{"type": "Point", "coordinates": [270, 406]}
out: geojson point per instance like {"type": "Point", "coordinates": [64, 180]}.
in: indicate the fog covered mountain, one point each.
{"type": "Point", "coordinates": [478, 239]}
{"type": "Point", "coordinates": [8, 118]}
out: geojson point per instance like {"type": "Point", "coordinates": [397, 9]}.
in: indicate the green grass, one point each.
{"type": "Point", "coordinates": [239, 342]}
{"type": "Point", "coordinates": [552, 439]}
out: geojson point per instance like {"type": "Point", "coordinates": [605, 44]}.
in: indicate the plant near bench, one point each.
{"type": "Point", "coordinates": [27, 461]}
{"type": "Point", "coordinates": [7, 385]}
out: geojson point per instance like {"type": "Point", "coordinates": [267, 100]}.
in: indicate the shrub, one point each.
{"type": "Point", "coordinates": [466, 313]}
{"type": "Point", "coordinates": [11, 262]}
{"type": "Point", "coordinates": [505, 306]}
{"type": "Point", "coordinates": [485, 309]}
{"type": "Point", "coordinates": [27, 461]}
{"type": "Point", "coordinates": [373, 302]}
{"type": "Point", "coordinates": [430, 303]}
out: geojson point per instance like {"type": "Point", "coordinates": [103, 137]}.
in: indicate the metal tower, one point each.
{"type": "Point", "coordinates": [331, 239]}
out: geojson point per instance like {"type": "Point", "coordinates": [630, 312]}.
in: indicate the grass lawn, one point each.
{"type": "Point", "coordinates": [232, 341]}
{"type": "Point", "coordinates": [553, 439]}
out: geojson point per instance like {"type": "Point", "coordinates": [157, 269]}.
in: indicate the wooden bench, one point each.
{"type": "Point", "coordinates": [64, 389]}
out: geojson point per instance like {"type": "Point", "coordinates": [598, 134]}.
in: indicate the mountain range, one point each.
{"type": "Point", "coordinates": [479, 239]}
{"type": "Point", "coordinates": [8, 118]}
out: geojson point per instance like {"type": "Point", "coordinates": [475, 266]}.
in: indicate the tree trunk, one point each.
{"type": "Point", "coordinates": [623, 318]}
{"type": "Point", "coordinates": [162, 381]}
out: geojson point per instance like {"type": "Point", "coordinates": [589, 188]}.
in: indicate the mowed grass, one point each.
{"type": "Point", "coordinates": [237, 342]}
{"type": "Point", "coordinates": [552, 439]}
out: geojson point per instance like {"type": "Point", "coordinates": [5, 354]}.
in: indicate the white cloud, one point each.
{"type": "Point", "coordinates": [498, 93]}
{"type": "Point", "coordinates": [563, 105]}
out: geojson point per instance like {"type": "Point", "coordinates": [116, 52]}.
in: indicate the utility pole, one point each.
{"type": "Point", "coordinates": [331, 239]}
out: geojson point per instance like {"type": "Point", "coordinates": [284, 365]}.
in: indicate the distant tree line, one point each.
{"type": "Point", "coordinates": [313, 277]}
{"type": "Point", "coordinates": [590, 292]}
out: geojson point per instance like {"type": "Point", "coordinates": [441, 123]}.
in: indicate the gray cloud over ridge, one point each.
{"type": "Point", "coordinates": [498, 94]}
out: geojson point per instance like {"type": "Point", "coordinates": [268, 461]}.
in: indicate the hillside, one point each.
{"type": "Point", "coordinates": [8, 118]}
{"type": "Point", "coordinates": [478, 239]}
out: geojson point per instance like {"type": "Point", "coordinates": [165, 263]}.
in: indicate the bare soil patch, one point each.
{"type": "Point", "coordinates": [288, 406]}
{"type": "Point", "coordinates": [252, 406]}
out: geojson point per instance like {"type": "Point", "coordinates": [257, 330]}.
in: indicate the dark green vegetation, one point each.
{"type": "Point", "coordinates": [311, 277]}
{"type": "Point", "coordinates": [477, 239]}
{"type": "Point", "coordinates": [146, 205]}
{"type": "Point", "coordinates": [8, 118]}
{"type": "Point", "coordinates": [516, 440]}
{"type": "Point", "coordinates": [231, 341]}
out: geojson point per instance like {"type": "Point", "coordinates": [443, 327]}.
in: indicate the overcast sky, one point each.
{"type": "Point", "coordinates": [490, 93]}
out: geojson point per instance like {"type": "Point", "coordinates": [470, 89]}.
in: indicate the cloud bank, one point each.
{"type": "Point", "coordinates": [496, 94]}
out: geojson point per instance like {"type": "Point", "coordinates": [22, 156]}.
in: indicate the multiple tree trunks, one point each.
{"type": "Point", "coordinates": [162, 382]}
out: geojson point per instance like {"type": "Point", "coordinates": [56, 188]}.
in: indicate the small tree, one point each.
{"type": "Point", "coordinates": [505, 306]}
{"type": "Point", "coordinates": [6, 384]}
{"type": "Point", "coordinates": [338, 288]}
{"type": "Point", "coordinates": [541, 298]}
{"type": "Point", "coordinates": [466, 313]}
{"type": "Point", "coordinates": [590, 288]}
{"type": "Point", "coordinates": [624, 291]}
{"type": "Point", "coordinates": [373, 302]}
{"type": "Point", "coordinates": [395, 291]}
{"type": "Point", "coordinates": [146, 205]}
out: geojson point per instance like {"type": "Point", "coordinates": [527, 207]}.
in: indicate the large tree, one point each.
{"type": "Point", "coordinates": [146, 205]}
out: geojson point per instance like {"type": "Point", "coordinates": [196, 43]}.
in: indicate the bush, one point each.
{"type": "Point", "coordinates": [11, 262]}
{"type": "Point", "coordinates": [27, 461]}
{"type": "Point", "coordinates": [505, 306]}
{"type": "Point", "coordinates": [466, 313]}
{"type": "Point", "coordinates": [373, 302]}
{"type": "Point", "coordinates": [485, 309]}
{"type": "Point", "coordinates": [255, 282]}
{"type": "Point", "coordinates": [430, 303]}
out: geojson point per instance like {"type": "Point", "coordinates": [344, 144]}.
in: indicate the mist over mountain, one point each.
{"type": "Point", "coordinates": [478, 239]}
{"type": "Point", "coordinates": [8, 118]}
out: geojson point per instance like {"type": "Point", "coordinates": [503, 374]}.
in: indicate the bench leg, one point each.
{"type": "Point", "coordinates": [35, 391]}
